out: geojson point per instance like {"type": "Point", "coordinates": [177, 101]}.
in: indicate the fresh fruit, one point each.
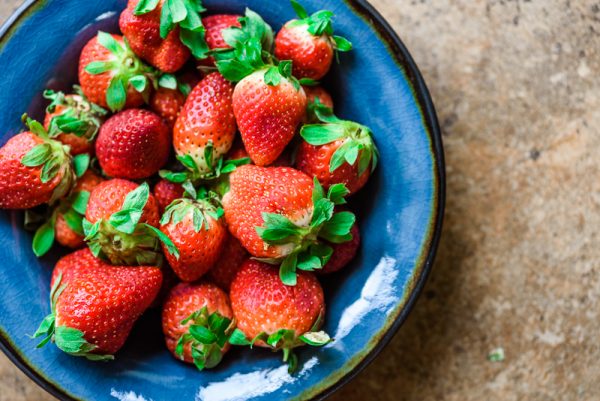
{"type": "Point", "coordinates": [229, 263]}
{"type": "Point", "coordinates": [65, 222]}
{"type": "Point", "coordinates": [167, 103]}
{"type": "Point", "coordinates": [281, 216]}
{"type": "Point", "coordinates": [165, 36]}
{"type": "Point", "coordinates": [214, 25]}
{"type": "Point", "coordinates": [140, 23]}
{"type": "Point", "coordinates": [120, 224]}
{"type": "Point", "coordinates": [316, 96]}
{"type": "Point", "coordinates": [206, 120]}
{"type": "Point", "coordinates": [111, 75]}
{"type": "Point", "coordinates": [94, 305]}
{"type": "Point", "coordinates": [73, 120]}
{"type": "Point", "coordinates": [337, 151]}
{"type": "Point", "coordinates": [133, 144]}
{"type": "Point", "coordinates": [309, 43]}
{"type": "Point", "coordinates": [165, 192]}
{"type": "Point", "coordinates": [197, 321]}
{"type": "Point", "coordinates": [342, 253]}
{"type": "Point", "coordinates": [271, 314]}
{"type": "Point", "coordinates": [268, 101]}
{"type": "Point", "coordinates": [196, 227]}
{"type": "Point", "coordinates": [34, 169]}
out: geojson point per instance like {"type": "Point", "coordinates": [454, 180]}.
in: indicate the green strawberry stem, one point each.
{"type": "Point", "coordinates": [208, 334]}
{"type": "Point", "coordinates": [186, 15]}
{"type": "Point", "coordinates": [79, 116]}
{"type": "Point", "coordinates": [309, 253]}
{"type": "Point", "coordinates": [285, 340]}
{"type": "Point", "coordinates": [123, 240]}
{"type": "Point", "coordinates": [194, 173]}
{"type": "Point", "coordinates": [319, 24]}
{"type": "Point", "coordinates": [126, 69]}
{"type": "Point", "coordinates": [251, 51]}
{"type": "Point", "coordinates": [67, 339]}
{"type": "Point", "coordinates": [200, 205]}
{"type": "Point", "coordinates": [357, 139]}
{"type": "Point", "coordinates": [53, 156]}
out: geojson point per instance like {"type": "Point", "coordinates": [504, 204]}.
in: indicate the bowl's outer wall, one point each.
{"type": "Point", "coordinates": [399, 210]}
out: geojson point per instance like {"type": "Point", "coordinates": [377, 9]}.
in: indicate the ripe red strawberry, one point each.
{"type": "Point", "coordinates": [281, 215]}
{"type": "Point", "coordinates": [206, 119]}
{"type": "Point", "coordinates": [342, 253]}
{"type": "Point", "coordinates": [230, 262]}
{"type": "Point", "coordinates": [120, 224]}
{"type": "Point", "coordinates": [214, 25]}
{"type": "Point", "coordinates": [73, 120]}
{"type": "Point", "coordinates": [196, 228]}
{"type": "Point", "coordinates": [94, 305]}
{"type": "Point", "coordinates": [133, 144]}
{"type": "Point", "coordinates": [164, 36]}
{"type": "Point", "coordinates": [167, 103]}
{"type": "Point", "coordinates": [309, 43]}
{"type": "Point", "coordinates": [166, 192]}
{"type": "Point", "coordinates": [197, 321]}
{"type": "Point", "coordinates": [268, 101]}
{"type": "Point", "coordinates": [34, 169]}
{"type": "Point", "coordinates": [267, 115]}
{"type": "Point", "coordinates": [144, 36]}
{"type": "Point", "coordinates": [274, 315]}
{"type": "Point", "coordinates": [337, 151]}
{"type": "Point", "coordinates": [111, 75]}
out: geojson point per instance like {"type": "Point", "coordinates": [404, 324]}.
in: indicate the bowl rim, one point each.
{"type": "Point", "coordinates": [401, 55]}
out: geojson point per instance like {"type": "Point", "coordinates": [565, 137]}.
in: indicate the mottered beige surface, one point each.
{"type": "Point", "coordinates": [517, 89]}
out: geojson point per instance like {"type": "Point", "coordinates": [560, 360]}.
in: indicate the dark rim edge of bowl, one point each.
{"type": "Point", "coordinates": [423, 97]}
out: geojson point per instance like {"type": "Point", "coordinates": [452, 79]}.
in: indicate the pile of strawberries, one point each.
{"type": "Point", "coordinates": [242, 223]}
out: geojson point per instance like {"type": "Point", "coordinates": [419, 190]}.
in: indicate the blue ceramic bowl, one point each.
{"type": "Point", "coordinates": [401, 211]}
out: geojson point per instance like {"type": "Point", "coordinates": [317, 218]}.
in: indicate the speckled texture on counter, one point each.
{"type": "Point", "coordinates": [516, 86]}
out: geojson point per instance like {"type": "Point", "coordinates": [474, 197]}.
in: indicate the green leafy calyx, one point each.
{"type": "Point", "coordinates": [357, 145]}
{"type": "Point", "coordinates": [186, 15]}
{"type": "Point", "coordinates": [207, 334]}
{"type": "Point", "coordinates": [319, 24]}
{"type": "Point", "coordinates": [123, 239]}
{"type": "Point", "coordinates": [308, 252]}
{"type": "Point", "coordinates": [126, 69]}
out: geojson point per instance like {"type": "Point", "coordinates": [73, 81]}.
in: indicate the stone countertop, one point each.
{"type": "Point", "coordinates": [516, 89]}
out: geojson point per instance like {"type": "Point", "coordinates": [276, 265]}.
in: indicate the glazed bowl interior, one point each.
{"type": "Point", "coordinates": [399, 212]}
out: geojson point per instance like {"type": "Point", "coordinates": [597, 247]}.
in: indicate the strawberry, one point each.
{"type": "Point", "coordinates": [271, 314]}
{"type": "Point", "coordinates": [316, 96]}
{"type": "Point", "coordinates": [94, 305]}
{"type": "Point", "coordinates": [282, 216]}
{"type": "Point", "coordinates": [73, 120]}
{"type": "Point", "coordinates": [120, 224]}
{"type": "Point", "coordinates": [34, 169]}
{"type": "Point", "coordinates": [165, 36]}
{"type": "Point", "coordinates": [197, 321]}
{"type": "Point", "coordinates": [205, 122]}
{"type": "Point", "coordinates": [214, 25]}
{"type": "Point", "coordinates": [133, 144]}
{"type": "Point", "coordinates": [337, 151]}
{"type": "Point", "coordinates": [167, 103]}
{"type": "Point", "coordinates": [309, 43]}
{"type": "Point", "coordinates": [111, 75]}
{"type": "Point", "coordinates": [342, 253]}
{"type": "Point", "coordinates": [165, 192]}
{"type": "Point", "coordinates": [230, 262]}
{"type": "Point", "coordinates": [65, 222]}
{"type": "Point", "coordinates": [196, 228]}
{"type": "Point", "coordinates": [268, 101]}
